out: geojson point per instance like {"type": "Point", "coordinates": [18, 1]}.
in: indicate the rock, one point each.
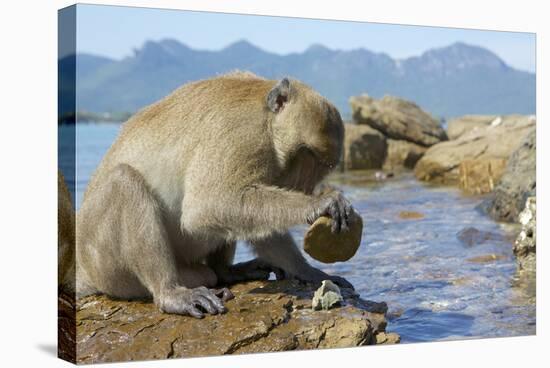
{"type": "Point", "coordinates": [464, 124]}
{"type": "Point", "coordinates": [486, 258]}
{"type": "Point", "coordinates": [264, 316]}
{"type": "Point", "coordinates": [66, 325]}
{"type": "Point", "coordinates": [518, 182]}
{"type": "Point", "coordinates": [526, 242]}
{"type": "Point", "coordinates": [384, 338]}
{"type": "Point", "coordinates": [410, 215]}
{"type": "Point", "coordinates": [397, 119]}
{"type": "Point", "coordinates": [480, 176]}
{"type": "Point", "coordinates": [402, 154]}
{"type": "Point", "coordinates": [327, 296]}
{"type": "Point", "coordinates": [364, 148]}
{"type": "Point", "coordinates": [440, 164]}
{"type": "Point", "coordinates": [471, 236]}
{"type": "Point", "coordinates": [327, 247]}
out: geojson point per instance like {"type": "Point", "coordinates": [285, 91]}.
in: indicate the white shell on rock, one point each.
{"type": "Point", "coordinates": [326, 296]}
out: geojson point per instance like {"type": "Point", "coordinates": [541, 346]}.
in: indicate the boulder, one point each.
{"type": "Point", "coordinates": [518, 182]}
{"type": "Point", "coordinates": [402, 154]}
{"type": "Point", "coordinates": [441, 162]}
{"type": "Point", "coordinates": [458, 126]}
{"type": "Point", "coordinates": [480, 176]}
{"type": "Point", "coordinates": [364, 148]}
{"type": "Point", "coordinates": [397, 119]}
{"type": "Point", "coordinates": [471, 236]}
{"type": "Point", "coordinates": [525, 246]}
{"type": "Point", "coordinates": [264, 316]}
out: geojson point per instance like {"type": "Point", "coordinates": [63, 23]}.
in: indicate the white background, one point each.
{"type": "Point", "coordinates": [28, 185]}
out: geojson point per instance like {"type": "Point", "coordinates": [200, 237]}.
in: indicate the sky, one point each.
{"type": "Point", "coordinates": [115, 31]}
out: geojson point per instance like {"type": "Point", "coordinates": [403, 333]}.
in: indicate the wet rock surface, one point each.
{"type": "Point", "coordinates": [397, 119]}
{"type": "Point", "coordinates": [518, 182]}
{"type": "Point", "coordinates": [525, 246]}
{"type": "Point", "coordinates": [441, 162]}
{"type": "Point", "coordinates": [264, 316]}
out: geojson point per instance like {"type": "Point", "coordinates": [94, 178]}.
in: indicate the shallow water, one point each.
{"type": "Point", "coordinates": [433, 287]}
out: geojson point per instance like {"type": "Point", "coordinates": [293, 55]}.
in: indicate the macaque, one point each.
{"type": "Point", "coordinates": [65, 236]}
{"type": "Point", "coordinates": [236, 157]}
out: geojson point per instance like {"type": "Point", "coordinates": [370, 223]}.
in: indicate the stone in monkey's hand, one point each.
{"type": "Point", "coordinates": [231, 158]}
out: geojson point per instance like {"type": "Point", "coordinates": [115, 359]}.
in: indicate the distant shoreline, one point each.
{"type": "Point", "coordinates": [87, 117]}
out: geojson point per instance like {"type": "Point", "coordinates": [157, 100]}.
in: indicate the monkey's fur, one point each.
{"type": "Point", "coordinates": [65, 236]}
{"type": "Point", "coordinates": [231, 158]}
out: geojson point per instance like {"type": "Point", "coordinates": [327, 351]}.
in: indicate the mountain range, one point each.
{"type": "Point", "coordinates": [450, 81]}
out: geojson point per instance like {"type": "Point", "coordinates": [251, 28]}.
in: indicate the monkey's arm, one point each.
{"type": "Point", "coordinates": [275, 208]}
{"type": "Point", "coordinates": [259, 210]}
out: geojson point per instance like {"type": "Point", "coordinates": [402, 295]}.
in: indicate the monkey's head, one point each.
{"type": "Point", "coordinates": [305, 126]}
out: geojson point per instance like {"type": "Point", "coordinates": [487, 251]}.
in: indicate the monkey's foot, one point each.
{"type": "Point", "coordinates": [340, 281]}
{"type": "Point", "coordinates": [194, 302]}
{"type": "Point", "coordinates": [254, 269]}
{"type": "Point", "coordinates": [316, 276]}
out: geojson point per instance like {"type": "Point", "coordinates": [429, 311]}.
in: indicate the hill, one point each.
{"type": "Point", "coordinates": [450, 81]}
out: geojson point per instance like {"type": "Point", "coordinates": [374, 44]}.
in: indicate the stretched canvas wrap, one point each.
{"type": "Point", "coordinates": [233, 184]}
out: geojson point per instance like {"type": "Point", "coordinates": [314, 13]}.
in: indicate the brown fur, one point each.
{"type": "Point", "coordinates": [65, 236]}
{"type": "Point", "coordinates": [206, 166]}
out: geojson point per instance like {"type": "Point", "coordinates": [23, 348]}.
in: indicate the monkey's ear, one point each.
{"type": "Point", "coordinates": [278, 96]}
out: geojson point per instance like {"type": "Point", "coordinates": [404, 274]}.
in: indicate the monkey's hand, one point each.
{"type": "Point", "coordinates": [332, 203]}
{"type": "Point", "coordinates": [255, 269]}
{"type": "Point", "coordinates": [194, 302]}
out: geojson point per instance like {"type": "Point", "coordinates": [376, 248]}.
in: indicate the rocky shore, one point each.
{"type": "Point", "coordinates": [389, 133]}
{"type": "Point", "coordinates": [491, 155]}
{"type": "Point", "coordinates": [517, 184]}
{"type": "Point", "coordinates": [477, 159]}
{"type": "Point", "coordinates": [478, 153]}
{"type": "Point", "coordinates": [481, 154]}
{"type": "Point", "coordinates": [265, 316]}
{"type": "Point", "coordinates": [525, 247]}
